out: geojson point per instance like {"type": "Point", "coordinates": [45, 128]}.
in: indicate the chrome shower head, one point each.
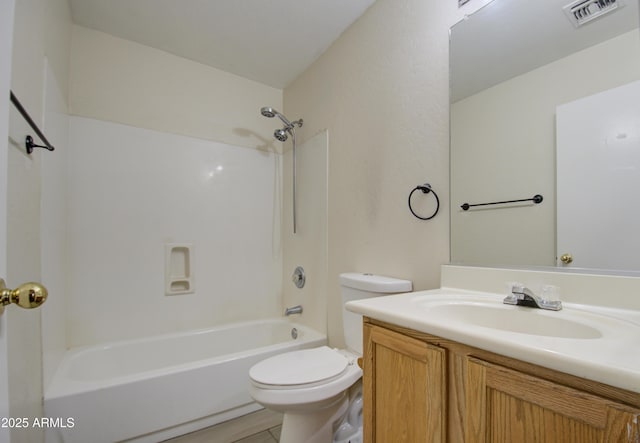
{"type": "Point", "coordinates": [270, 113]}
{"type": "Point", "coordinates": [280, 134]}
{"type": "Point", "coordinates": [289, 127]}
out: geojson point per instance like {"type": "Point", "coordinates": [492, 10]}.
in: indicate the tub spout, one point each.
{"type": "Point", "coordinates": [293, 310]}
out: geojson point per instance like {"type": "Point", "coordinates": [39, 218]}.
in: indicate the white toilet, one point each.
{"type": "Point", "coordinates": [311, 386]}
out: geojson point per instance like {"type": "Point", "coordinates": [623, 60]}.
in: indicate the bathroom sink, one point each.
{"type": "Point", "coordinates": [590, 341]}
{"type": "Point", "coordinates": [513, 319]}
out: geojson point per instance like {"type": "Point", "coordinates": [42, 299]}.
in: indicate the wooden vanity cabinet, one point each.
{"type": "Point", "coordinates": [422, 388]}
{"type": "Point", "coordinates": [503, 405]}
{"type": "Point", "coordinates": [404, 388]}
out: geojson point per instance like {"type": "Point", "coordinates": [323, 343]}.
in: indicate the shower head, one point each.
{"type": "Point", "coordinates": [280, 134]}
{"type": "Point", "coordinates": [270, 113]}
{"type": "Point", "coordinates": [289, 127]}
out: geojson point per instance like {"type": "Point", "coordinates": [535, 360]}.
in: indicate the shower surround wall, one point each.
{"type": "Point", "coordinates": [165, 150]}
{"type": "Point", "coordinates": [131, 192]}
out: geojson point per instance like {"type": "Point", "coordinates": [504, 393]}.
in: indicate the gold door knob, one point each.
{"type": "Point", "coordinates": [566, 258]}
{"type": "Point", "coordinates": [28, 296]}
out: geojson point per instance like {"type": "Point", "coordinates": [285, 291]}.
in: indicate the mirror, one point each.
{"type": "Point", "coordinates": [511, 64]}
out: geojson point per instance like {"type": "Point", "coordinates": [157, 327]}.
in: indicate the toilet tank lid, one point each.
{"type": "Point", "coordinates": [374, 283]}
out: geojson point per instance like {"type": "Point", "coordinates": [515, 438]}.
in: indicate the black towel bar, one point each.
{"type": "Point", "coordinates": [29, 140]}
{"type": "Point", "coordinates": [536, 199]}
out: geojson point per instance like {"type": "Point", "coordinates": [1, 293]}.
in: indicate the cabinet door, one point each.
{"type": "Point", "coordinates": [503, 405]}
{"type": "Point", "coordinates": [404, 389]}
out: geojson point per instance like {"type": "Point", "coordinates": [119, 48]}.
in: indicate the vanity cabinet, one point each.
{"type": "Point", "coordinates": [422, 388]}
{"type": "Point", "coordinates": [405, 390]}
{"type": "Point", "coordinates": [503, 405]}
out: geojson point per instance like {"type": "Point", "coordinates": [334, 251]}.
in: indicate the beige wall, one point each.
{"type": "Point", "coordinates": [503, 147]}
{"type": "Point", "coordinates": [121, 81]}
{"type": "Point", "coordinates": [382, 92]}
{"type": "Point", "coordinates": [41, 28]}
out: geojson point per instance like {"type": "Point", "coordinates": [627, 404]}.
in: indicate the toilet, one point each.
{"type": "Point", "coordinates": [311, 386]}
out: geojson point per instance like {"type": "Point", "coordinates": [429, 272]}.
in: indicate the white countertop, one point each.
{"type": "Point", "coordinates": [610, 355]}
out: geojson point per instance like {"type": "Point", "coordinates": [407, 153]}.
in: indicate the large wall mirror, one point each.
{"type": "Point", "coordinates": [516, 67]}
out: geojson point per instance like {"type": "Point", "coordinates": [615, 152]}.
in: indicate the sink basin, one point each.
{"type": "Point", "coordinates": [589, 341]}
{"type": "Point", "coordinates": [514, 319]}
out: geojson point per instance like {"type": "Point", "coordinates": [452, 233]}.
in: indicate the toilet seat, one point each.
{"type": "Point", "coordinates": [299, 369]}
{"type": "Point", "coordinates": [327, 373]}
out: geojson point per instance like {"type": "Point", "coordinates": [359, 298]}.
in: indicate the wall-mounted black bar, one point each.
{"type": "Point", "coordinates": [536, 199]}
{"type": "Point", "coordinates": [29, 140]}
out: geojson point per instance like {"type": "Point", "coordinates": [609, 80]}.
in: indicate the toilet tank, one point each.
{"type": "Point", "coordinates": [356, 286]}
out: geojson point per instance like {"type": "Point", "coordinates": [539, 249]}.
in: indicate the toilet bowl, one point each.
{"type": "Point", "coordinates": [311, 386]}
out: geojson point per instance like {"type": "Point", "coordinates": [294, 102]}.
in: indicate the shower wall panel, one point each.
{"type": "Point", "coordinates": [131, 192]}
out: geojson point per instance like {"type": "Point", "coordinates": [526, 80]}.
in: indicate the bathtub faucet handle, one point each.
{"type": "Point", "coordinates": [293, 310]}
{"type": "Point", "coordinates": [298, 277]}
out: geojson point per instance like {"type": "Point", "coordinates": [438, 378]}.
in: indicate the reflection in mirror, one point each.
{"type": "Point", "coordinates": [513, 63]}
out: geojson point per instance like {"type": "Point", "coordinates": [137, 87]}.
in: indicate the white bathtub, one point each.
{"type": "Point", "coordinates": [148, 390]}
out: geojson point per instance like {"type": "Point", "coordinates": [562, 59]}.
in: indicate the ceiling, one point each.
{"type": "Point", "coordinates": [507, 38]}
{"type": "Point", "coordinates": [271, 42]}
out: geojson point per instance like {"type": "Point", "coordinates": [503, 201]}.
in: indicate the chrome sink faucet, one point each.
{"type": "Point", "coordinates": [522, 296]}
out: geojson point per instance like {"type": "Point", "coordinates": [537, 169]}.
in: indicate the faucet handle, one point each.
{"type": "Point", "coordinates": [515, 287]}
{"type": "Point", "coordinates": [550, 298]}
{"type": "Point", "coordinates": [550, 292]}
{"type": "Point", "coordinates": [298, 278]}
{"type": "Point", "coordinates": [512, 289]}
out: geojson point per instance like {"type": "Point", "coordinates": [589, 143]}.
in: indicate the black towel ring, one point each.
{"type": "Point", "coordinates": [426, 188]}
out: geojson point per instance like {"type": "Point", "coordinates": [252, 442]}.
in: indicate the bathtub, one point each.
{"type": "Point", "coordinates": [152, 389]}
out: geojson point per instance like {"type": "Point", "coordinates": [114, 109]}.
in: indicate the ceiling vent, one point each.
{"type": "Point", "coordinates": [583, 11]}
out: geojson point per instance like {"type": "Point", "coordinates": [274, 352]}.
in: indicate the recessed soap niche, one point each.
{"type": "Point", "coordinates": [178, 269]}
